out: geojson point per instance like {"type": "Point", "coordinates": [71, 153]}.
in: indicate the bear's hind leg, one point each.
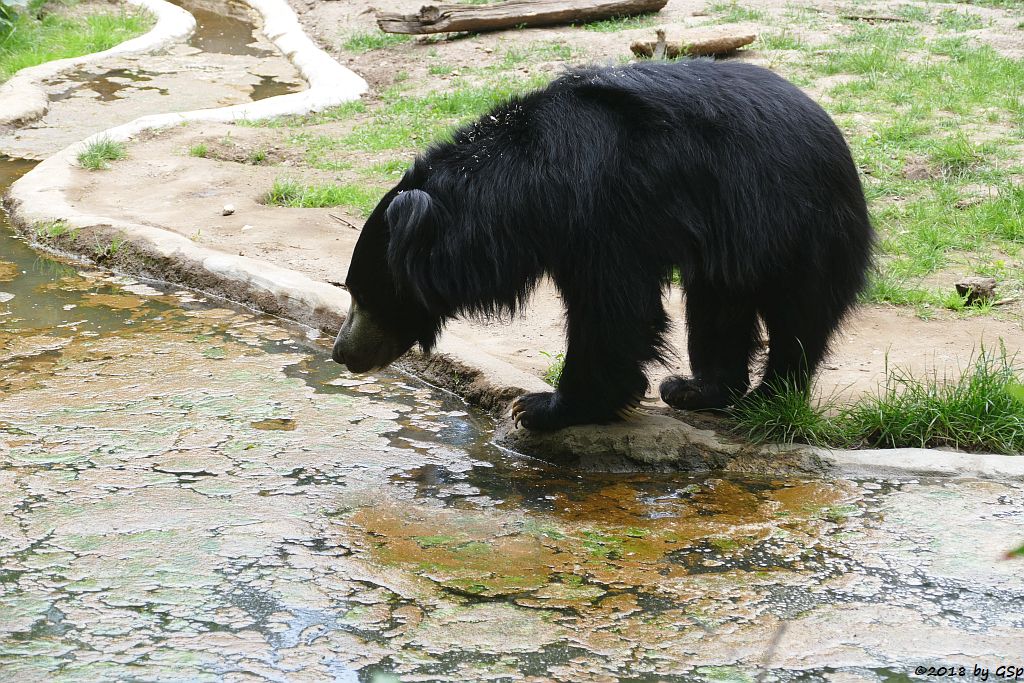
{"type": "Point", "coordinates": [798, 336]}
{"type": "Point", "coordinates": [722, 332]}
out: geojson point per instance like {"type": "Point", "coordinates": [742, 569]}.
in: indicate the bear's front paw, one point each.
{"type": "Point", "coordinates": [541, 412]}
{"type": "Point", "coordinates": [687, 393]}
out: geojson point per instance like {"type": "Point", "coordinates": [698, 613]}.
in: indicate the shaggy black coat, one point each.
{"type": "Point", "coordinates": [610, 180]}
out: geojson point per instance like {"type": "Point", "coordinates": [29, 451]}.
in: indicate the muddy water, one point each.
{"type": "Point", "coordinates": [222, 27]}
{"type": "Point", "coordinates": [227, 61]}
{"type": "Point", "coordinates": [193, 492]}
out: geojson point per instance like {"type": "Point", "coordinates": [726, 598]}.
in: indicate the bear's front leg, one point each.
{"type": "Point", "coordinates": [603, 377]}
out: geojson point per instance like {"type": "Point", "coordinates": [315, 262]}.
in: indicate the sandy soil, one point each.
{"type": "Point", "coordinates": [315, 242]}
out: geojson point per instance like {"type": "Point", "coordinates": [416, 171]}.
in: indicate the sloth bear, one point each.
{"type": "Point", "coordinates": [610, 181]}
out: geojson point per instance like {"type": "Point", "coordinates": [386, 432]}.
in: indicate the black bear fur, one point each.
{"type": "Point", "coordinates": [609, 180]}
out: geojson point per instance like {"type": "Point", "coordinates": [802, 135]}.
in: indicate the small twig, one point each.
{"type": "Point", "coordinates": [342, 221]}
{"type": "Point", "coordinates": [769, 651]}
{"type": "Point", "coordinates": [874, 17]}
{"type": "Point", "coordinates": [660, 47]}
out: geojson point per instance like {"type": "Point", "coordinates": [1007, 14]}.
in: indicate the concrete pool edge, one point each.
{"type": "Point", "coordinates": [656, 441]}
{"type": "Point", "coordinates": [22, 100]}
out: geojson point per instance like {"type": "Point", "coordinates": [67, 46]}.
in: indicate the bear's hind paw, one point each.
{"type": "Point", "coordinates": [687, 393]}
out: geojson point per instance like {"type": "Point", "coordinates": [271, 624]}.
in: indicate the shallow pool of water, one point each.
{"type": "Point", "coordinates": [190, 491]}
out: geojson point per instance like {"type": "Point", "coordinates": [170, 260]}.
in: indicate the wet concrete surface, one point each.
{"type": "Point", "coordinates": [227, 61]}
{"type": "Point", "coordinates": [189, 491]}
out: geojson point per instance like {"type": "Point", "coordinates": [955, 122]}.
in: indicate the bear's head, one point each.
{"type": "Point", "coordinates": [388, 314]}
{"type": "Point", "coordinates": [441, 243]}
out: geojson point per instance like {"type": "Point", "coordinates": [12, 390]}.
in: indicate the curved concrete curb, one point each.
{"type": "Point", "coordinates": [23, 100]}
{"type": "Point", "coordinates": [921, 462]}
{"type": "Point", "coordinates": [654, 442]}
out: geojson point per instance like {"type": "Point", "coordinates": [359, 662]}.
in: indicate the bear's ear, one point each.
{"type": "Point", "coordinates": [413, 233]}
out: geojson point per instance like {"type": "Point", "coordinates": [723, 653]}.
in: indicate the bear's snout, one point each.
{"type": "Point", "coordinates": [362, 345]}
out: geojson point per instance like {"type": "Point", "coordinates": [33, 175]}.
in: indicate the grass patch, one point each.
{"type": "Point", "coordinates": [342, 112]}
{"type": "Point", "coordinates": [367, 41]}
{"type": "Point", "coordinates": [387, 171]}
{"type": "Point", "coordinates": [405, 123]}
{"type": "Point", "coordinates": [102, 252]}
{"type": "Point", "coordinates": [924, 235]}
{"type": "Point", "coordinates": [553, 374]}
{"type": "Point", "coordinates": [34, 40]}
{"type": "Point", "coordinates": [733, 12]}
{"type": "Point", "coordinates": [784, 417]}
{"type": "Point", "coordinates": [937, 127]}
{"type": "Point", "coordinates": [199, 150]}
{"type": "Point", "coordinates": [55, 229]}
{"type": "Point", "coordinates": [955, 20]}
{"type": "Point", "coordinates": [979, 409]}
{"type": "Point", "coordinates": [291, 193]}
{"type": "Point", "coordinates": [955, 156]}
{"type": "Point", "coordinates": [782, 40]}
{"type": "Point", "coordinates": [96, 154]}
{"type": "Point", "coordinates": [550, 51]}
{"type": "Point", "coordinates": [622, 23]}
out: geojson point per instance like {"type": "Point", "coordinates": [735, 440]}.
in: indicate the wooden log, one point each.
{"type": "Point", "coordinates": [699, 47]}
{"type": "Point", "coordinates": [510, 14]}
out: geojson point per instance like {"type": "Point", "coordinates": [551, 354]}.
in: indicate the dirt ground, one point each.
{"type": "Point", "coordinates": [318, 242]}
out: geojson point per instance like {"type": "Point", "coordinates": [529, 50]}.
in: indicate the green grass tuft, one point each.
{"type": "Point", "coordinates": [622, 23]}
{"type": "Point", "coordinates": [955, 20]}
{"type": "Point", "coordinates": [367, 41]}
{"type": "Point", "coordinates": [199, 150]}
{"type": "Point", "coordinates": [291, 193]}
{"type": "Point", "coordinates": [98, 153]}
{"type": "Point", "coordinates": [732, 12]}
{"type": "Point", "coordinates": [782, 40]}
{"type": "Point", "coordinates": [256, 157]}
{"type": "Point", "coordinates": [784, 417]}
{"type": "Point", "coordinates": [980, 409]}
{"type": "Point", "coordinates": [554, 372]}
{"type": "Point", "coordinates": [410, 122]}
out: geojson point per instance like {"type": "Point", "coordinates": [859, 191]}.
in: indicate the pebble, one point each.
{"type": "Point", "coordinates": [227, 210]}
